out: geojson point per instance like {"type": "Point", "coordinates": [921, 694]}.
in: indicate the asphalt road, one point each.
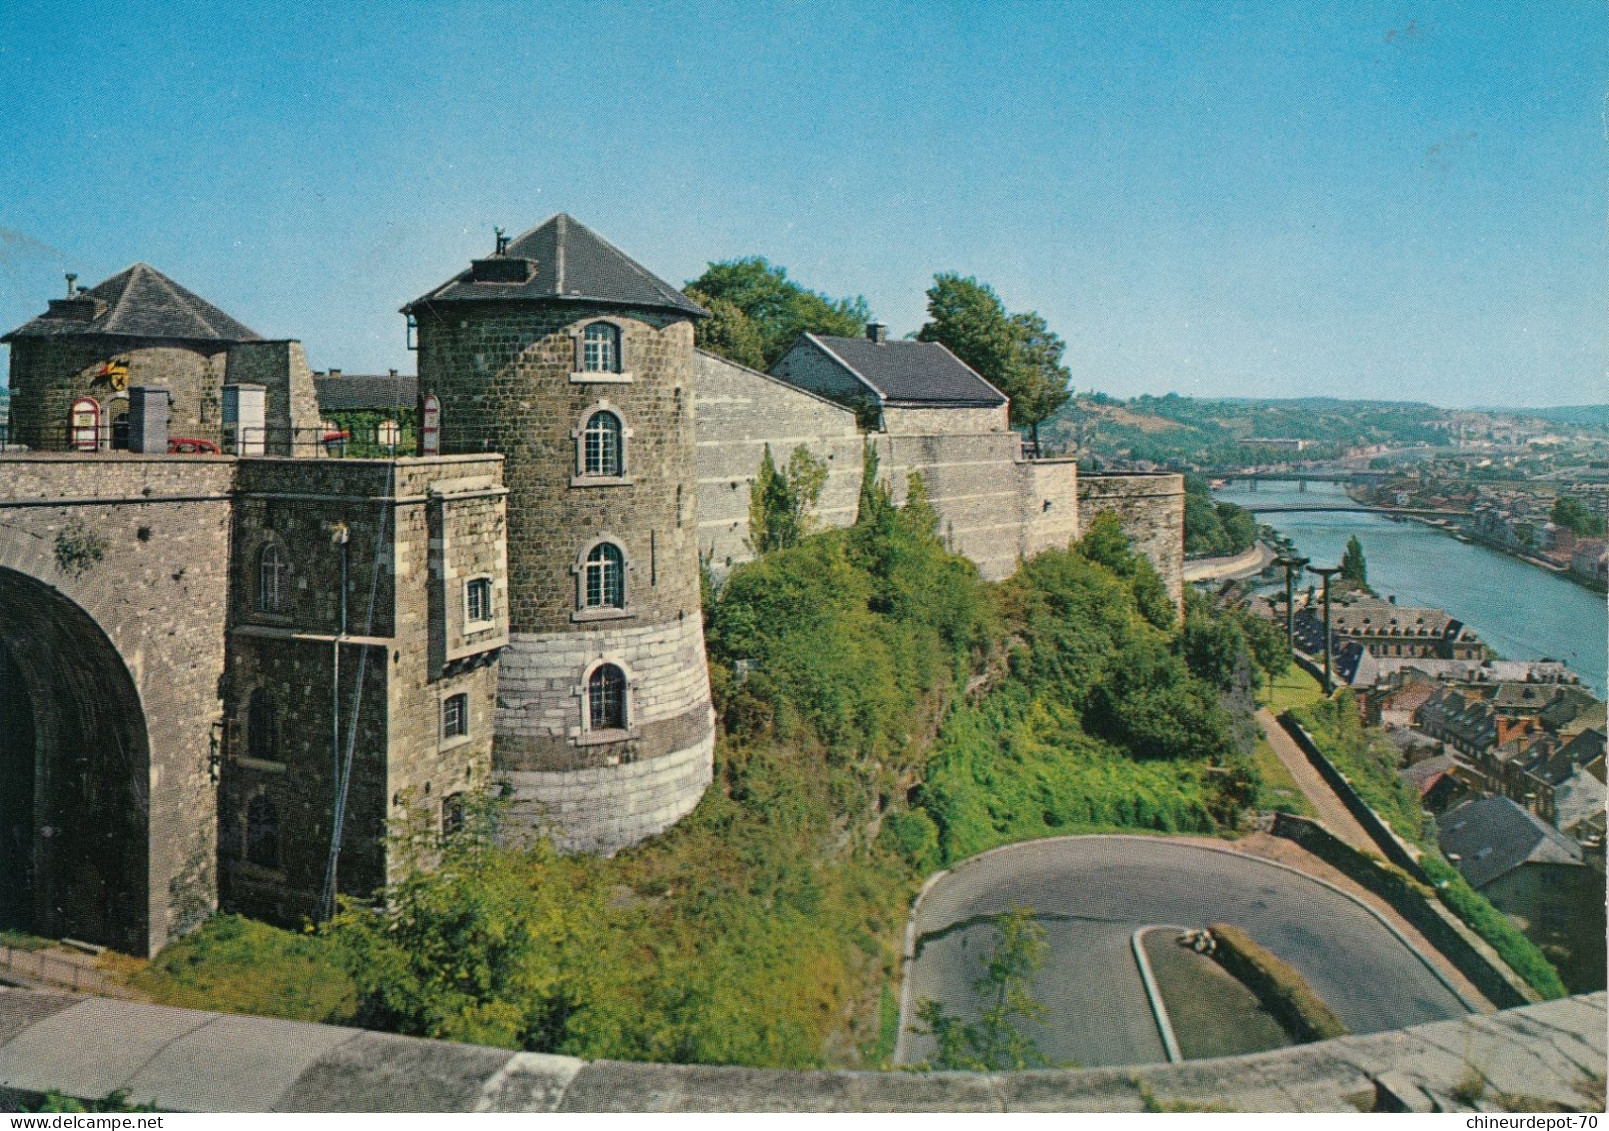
{"type": "Point", "coordinates": [1091, 893]}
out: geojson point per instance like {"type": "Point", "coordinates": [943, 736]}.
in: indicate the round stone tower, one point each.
{"type": "Point", "coordinates": [576, 363]}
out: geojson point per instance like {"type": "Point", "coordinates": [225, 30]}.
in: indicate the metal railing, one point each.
{"type": "Point", "coordinates": [373, 442]}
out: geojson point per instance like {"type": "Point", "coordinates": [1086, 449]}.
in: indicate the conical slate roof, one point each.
{"type": "Point", "coordinates": [562, 260]}
{"type": "Point", "coordinates": [139, 302]}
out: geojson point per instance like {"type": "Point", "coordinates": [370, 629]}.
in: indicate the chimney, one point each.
{"type": "Point", "coordinates": [502, 242]}
{"type": "Point", "coordinates": [877, 332]}
{"type": "Point", "coordinates": [393, 373]}
{"type": "Point", "coordinates": [334, 372]}
{"type": "Point", "coordinates": [71, 279]}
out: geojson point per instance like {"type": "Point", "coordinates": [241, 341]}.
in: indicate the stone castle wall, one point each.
{"type": "Point", "coordinates": [151, 582]}
{"type": "Point", "coordinates": [48, 373]}
{"type": "Point", "coordinates": [908, 421]}
{"type": "Point", "coordinates": [416, 532]}
{"type": "Point", "coordinates": [740, 412]}
{"type": "Point", "coordinates": [1151, 508]}
{"type": "Point", "coordinates": [993, 506]}
{"type": "Point", "coordinates": [290, 402]}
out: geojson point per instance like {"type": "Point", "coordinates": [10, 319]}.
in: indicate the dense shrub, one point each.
{"type": "Point", "coordinates": [1521, 954]}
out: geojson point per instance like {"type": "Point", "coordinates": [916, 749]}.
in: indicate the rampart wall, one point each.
{"type": "Point", "coordinates": [1548, 1057]}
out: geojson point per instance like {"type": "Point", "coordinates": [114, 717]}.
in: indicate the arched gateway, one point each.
{"type": "Point", "coordinates": [74, 774]}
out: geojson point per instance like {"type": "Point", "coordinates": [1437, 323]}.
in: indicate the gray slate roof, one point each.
{"type": "Point", "coordinates": [911, 372]}
{"type": "Point", "coordinates": [1493, 836]}
{"type": "Point", "coordinates": [353, 392]}
{"type": "Point", "coordinates": [139, 302]}
{"type": "Point", "coordinates": [566, 261]}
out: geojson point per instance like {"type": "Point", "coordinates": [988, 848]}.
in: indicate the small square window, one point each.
{"type": "Point", "coordinates": [455, 716]}
{"type": "Point", "coordinates": [478, 600]}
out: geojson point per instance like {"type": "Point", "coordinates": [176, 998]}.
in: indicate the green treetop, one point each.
{"type": "Point", "coordinates": [1570, 514]}
{"type": "Point", "coordinates": [1016, 353]}
{"type": "Point", "coordinates": [1353, 567]}
{"type": "Point", "coordinates": [757, 312]}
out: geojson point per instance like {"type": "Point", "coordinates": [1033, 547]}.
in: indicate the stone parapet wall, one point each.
{"type": "Point", "coordinates": [1151, 508]}
{"type": "Point", "coordinates": [1550, 1054]}
{"type": "Point", "coordinates": [607, 808]}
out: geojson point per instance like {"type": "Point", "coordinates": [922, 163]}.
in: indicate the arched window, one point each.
{"type": "Point", "coordinates": [273, 579]}
{"type": "Point", "coordinates": [262, 728]}
{"type": "Point", "coordinates": [600, 348]}
{"type": "Point", "coordinates": [606, 577]}
{"type": "Point", "coordinates": [262, 833]}
{"type": "Point", "coordinates": [606, 698]}
{"type": "Point", "coordinates": [602, 449]}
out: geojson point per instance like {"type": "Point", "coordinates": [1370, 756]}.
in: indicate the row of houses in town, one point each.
{"type": "Point", "coordinates": [1513, 772]}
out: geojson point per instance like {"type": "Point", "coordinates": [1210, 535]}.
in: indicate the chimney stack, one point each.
{"type": "Point", "coordinates": [334, 372]}
{"type": "Point", "coordinates": [393, 373]}
{"type": "Point", "coordinates": [71, 279]}
{"type": "Point", "coordinates": [502, 241]}
{"type": "Point", "coordinates": [877, 332]}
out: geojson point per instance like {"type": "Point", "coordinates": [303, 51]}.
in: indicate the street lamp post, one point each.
{"type": "Point", "coordinates": [1326, 572]}
{"type": "Point", "coordinates": [1293, 566]}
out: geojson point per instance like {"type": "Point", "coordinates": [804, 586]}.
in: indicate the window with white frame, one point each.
{"type": "Point", "coordinates": [455, 716]}
{"type": "Point", "coordinates": [600, 348]}
{"type": "Point", "coordinates": [605, 581]}
{"type": "Point", "coordinates": [478, 600]}
{"type": "Point", "coordinates": [273, 579]}
{"type": "Point", "coordinates": [606, 698]}
{"type": "Point", "coordinates": [602, 449]}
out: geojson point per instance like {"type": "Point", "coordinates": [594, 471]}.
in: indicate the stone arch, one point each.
{"type": "Point", "coordinates": [75, 773]}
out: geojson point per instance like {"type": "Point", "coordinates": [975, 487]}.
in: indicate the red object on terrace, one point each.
{"type": "Point", "coordinates": [186, 446]}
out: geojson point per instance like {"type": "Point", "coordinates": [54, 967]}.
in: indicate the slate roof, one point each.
{"type": "Point", "coordinates": [353, 392]}
{"type": "Point", "coordinates": [561, 260]}
{"type": "Point", "coordinates": [1493, 836]}
{"type": "Point", "coordinates": [139, 302]}
{"type": "Point", "coordinates": [911, 372]}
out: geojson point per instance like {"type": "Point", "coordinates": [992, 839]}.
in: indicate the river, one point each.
{"type": "Point", "coordinates": [1523, 611]}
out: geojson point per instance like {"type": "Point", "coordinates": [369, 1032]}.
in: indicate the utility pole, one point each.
{"type": "Point", "coordinates": [1326, 572]}
{"type": "Point", "coordinates": [1293, 566]}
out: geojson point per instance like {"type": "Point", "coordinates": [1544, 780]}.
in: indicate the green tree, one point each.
{"type": "Point", "coordinates": [782, 503]}
{"type": "Point", "coordinates": [1270, 650]}
{"type": "Point", "coordinates": [996, 1042]}
{"type": "Point", "coordinates": [1016, 353]}
{"type": "Point", "coordinates": [1353, 566]}
{"type": "Point", "coordinates": [759, 312]}
{"type": "Point", "coordinates": [1569, 513]}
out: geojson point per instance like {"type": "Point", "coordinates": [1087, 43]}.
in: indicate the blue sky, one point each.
{"type": "Point", "coordinates": [1400, 200]}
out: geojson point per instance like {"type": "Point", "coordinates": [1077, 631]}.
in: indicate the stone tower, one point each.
{"type": "Point", "coordinates": [576, 363]}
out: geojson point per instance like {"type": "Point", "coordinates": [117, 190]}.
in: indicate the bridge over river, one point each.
{"type": "Point", "coordinates": [1276, 507]}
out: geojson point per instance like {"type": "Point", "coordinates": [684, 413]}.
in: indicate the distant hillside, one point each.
{"type": "Point", "coordinates": [1590, 415]}
{"type": "Point", "coordinates": [1215, 431]}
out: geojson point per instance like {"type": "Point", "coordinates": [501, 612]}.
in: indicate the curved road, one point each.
{"type": "Point", "coordinates": [1091, 893]}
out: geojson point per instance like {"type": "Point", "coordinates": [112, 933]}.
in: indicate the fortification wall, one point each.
{"type": "Point", "coordinates": [290, 402]}
{"type": "Point", "coordinates": [1050, 511]}
{"type": "Point", "coordinates": [1151, 508]}
{"type": "Point", "coordinates": [48, 373]}
{"type": "Point", "coordinates": [140, 544]}
{"type": "Point", "coordinates": [739, 412]}
{"type": "Point", "coordinates": [993, 506]}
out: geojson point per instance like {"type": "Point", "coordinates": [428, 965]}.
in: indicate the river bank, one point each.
{"type": "Point", "coordinates": [1523, 612]}
{"type": "Point", "coordinates": [1460, 534]}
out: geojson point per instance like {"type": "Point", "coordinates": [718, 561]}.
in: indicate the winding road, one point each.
{"type": "Point", "coordinates": [1091, 893]}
